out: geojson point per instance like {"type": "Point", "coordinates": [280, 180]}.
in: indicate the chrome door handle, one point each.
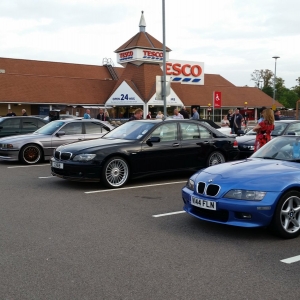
{"type": "Point", "coordinates": [175, 145]}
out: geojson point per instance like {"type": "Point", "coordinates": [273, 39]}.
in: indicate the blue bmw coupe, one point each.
{"type": "Point", "coordinates": [260, 191]}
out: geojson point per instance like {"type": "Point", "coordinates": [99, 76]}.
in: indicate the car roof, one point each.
{"type": "Point", "coordinates": [286, 121]}
{"type": "Point", "coordinates": [21, 117]}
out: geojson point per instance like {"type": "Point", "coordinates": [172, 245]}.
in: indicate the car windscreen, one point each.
{"type": "Point", "coordinates": [133, 130]}
{"type": "Point", "coordinates": [279, 128]}
{"type": "Point", "coordinates": [50, 128]}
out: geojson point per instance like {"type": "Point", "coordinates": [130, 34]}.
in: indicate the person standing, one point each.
{"type": "Point", "coordinates": [87, 114]}
{"type": "Point", "coordinates": [159, 115]}
{"type": "Point", "coordinates": [10, 113]}
{"type": "Point", "coordinates": [195, 114]}
{"type": "Point", "coordinates": [138, 115]}
{"type": "Point", "coordinates": [149, 116]}
{"type": "Point", "coordinates": [230, 119]}
{"type": "Point", "coordinates": [264, 128]}
{"type": "Point", "coordinates": [277, 115]}
{"type": "Point", "coordinates": [237, 121]}
{"type": "Point", "coordinates": [24, 113]}
{"type": "Point", "coordinates": [261, 115]}
{"type": "Point", "coordinates": [184, 113]}
{"type": "Point", "coordinates": [100, 116]}
{"type": "Point", "coordinates": [177, 115]}
{"type": "Point", "coordinates": [225, 122]}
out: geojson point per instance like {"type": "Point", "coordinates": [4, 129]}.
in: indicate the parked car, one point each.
{"type": "Point", "coordinates": [246, 142]}
{"type": "Point", "coordinates": [19, 125]}
{"type": "Point", "coordinates": [141, 148]}
{"type": "Point", "coordinates": [32, 148]}
{"type": "Point", "coordinates": [263, 190]}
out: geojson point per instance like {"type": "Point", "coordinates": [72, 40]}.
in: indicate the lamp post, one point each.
{"type": "Point", "coordinates": [209, 110]}
{"type": "Point", "coordinates": [274, 91]}
{"type": "Point", "coordinates": [246, 116]}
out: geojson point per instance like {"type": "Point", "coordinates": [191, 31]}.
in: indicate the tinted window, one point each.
{"type": "Point", "coordinates": [279, 128]}
{"type": "Point", "coordinates": [189, 131]}
{"type": "Point", "coordinates": [72, 128]}
{"type": "Point", "coordinates": [295, 127]}
{"type": "Point", "coordinates": [30, 124]}
{"type": "Point", "coordinates": [11, 123]}
{"type": "Point", "coordinates": [204, 133]}
{"type": "Point", "coordinates": [40, 123]}
{"type": "Point", "coordinates": [166, 132]}
{"type": "Point", "coordinates": [91, 128]}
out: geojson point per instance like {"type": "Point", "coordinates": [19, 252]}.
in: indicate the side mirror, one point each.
{"type": "Point", "coordinates": [60, 133]}
{"type": "Point", "coordinates": [153, 139]}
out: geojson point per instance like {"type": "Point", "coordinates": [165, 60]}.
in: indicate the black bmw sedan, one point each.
{"type": "Point", "coordinates": [144, 147]}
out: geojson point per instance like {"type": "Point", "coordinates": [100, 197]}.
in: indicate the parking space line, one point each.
{"type": "Point", "coordinates": [28, 166]}
{"type": "Point", "coordinates": [134, 187]}
{"type": "Point", "coordinates": [291, 259]}
{"type": "Point", "coordinates": [169, 214]}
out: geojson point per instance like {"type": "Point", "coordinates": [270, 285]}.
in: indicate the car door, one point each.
{"type": "Point", "coordinates": [163, 155]}
{"type": "Point", "coordinates": [69, 133]}
{"type": "Point", "coordinates": [197, 143]}
{"type": "Point", "coordinates": [10, 126]}
{"type": "Point", "coordinates": [94, 130]}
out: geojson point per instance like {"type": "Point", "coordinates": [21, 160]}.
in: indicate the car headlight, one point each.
{"type": "Point", "coordinates": [6, 146]}
{"type": "Point", "coordinates": [245, 195]}
{"type": "Point", "coordinates": [190, 184]}
{"type": "Point", "coordinates": [84, 157]}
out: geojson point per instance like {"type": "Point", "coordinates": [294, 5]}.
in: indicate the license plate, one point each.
{"type": "Point", "coordinates": [212, 205]}
{"type": "Point", "coordinates": [57, 165]}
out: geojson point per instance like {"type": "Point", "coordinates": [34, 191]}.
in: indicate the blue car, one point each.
{"type": "Point", "coordinates": [260, 191]}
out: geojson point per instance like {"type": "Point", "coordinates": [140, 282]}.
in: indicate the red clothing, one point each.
{"type": "Point", "coordinates": [263, 134]}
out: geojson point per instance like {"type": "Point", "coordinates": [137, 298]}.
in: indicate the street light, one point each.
{"type": "Point", "coordinates": [245, 108]}
{"type": "Point", "coordinates": [274, 91]}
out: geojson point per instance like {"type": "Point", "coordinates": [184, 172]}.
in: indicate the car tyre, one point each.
{"type": "Point", "coordinates": [31, 154]}
{"type": "Point", "coordinates": [286, 219]}
{"type": "Point", "coordinates": [115, 172]}
{"type": "Point", "coordinates": [215, 158]}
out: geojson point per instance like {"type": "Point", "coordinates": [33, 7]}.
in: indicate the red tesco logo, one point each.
{"type": "Point", "coordinates": [186, 70]}
{"type": "Point", "coordinates": [126, 54]}
{"type": "Point", "coordinates": [153, 53]}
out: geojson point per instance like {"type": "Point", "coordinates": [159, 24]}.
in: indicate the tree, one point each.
{"type": "Point", "coordinates": [296, 88]}
{"type": "Point", "coordinates": [263, 76]}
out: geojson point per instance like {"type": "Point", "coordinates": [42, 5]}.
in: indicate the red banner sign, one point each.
{"type": "Point", "coordinates": [217, 99]}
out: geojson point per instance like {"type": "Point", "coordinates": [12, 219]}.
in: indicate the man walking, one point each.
{"type": "Point", "coordinates": [87, 114]}
{"type": "Point", "coordinates": [237, 121]}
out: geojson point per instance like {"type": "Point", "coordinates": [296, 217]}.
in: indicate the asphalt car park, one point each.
{"type": "Point", "coordinates": [65, 240]}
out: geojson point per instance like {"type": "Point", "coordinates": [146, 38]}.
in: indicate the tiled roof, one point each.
{"type": "Point", "coordinates": [57, 69]}
{"type": "Point", "coordinates": [142, 40]}
{"type": "Point", "coordinates": [232, 96]}
{"type": "Point", "coordinates": [59, 90]}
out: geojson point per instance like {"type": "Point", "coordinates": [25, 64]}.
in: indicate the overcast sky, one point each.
{"type": "Point", "coordinates": [231, 37]}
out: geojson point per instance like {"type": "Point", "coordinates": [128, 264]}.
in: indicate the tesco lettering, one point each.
{"type": "Point", "coordinates": [153, 53]}
{"type": "Point", "coordinates": [185, 70]}
{"type": "Point", "coordinates": [126, 54]}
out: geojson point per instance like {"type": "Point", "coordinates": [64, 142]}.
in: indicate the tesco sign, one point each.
{"type": "Point", "coordinates": [185, 72]}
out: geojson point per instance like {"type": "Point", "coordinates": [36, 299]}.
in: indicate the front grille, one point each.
{"type": "Point", "coordinates": [62, 155]}
{"type": "Point", "coordinates": [216, 215]}
{"type": "Point", "coordinates": [209, 190]}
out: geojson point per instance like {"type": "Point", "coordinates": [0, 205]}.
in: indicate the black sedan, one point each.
{"type": "Point", "coordinates": [144, 147]}
{"type": "Point", "coordinates": [283, 127]}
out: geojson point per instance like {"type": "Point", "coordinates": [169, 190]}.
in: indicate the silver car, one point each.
{"type": "Point", "coordinates": [33, 148]}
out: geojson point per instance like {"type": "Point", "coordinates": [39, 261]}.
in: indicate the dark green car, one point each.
{"type": "Point", "coordinates": [19, 125]}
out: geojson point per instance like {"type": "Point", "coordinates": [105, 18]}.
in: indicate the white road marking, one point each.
{"type": "Point", "coordinates": [134, 187]}
{"type": "Point", "coordinates": [169, 214]}
{"type": "Point", "coordinates": [28, 166]}
{"type": "Point", "coordinates": [47, 177]}
{"type": "Point", "coordinates": [291, 259]}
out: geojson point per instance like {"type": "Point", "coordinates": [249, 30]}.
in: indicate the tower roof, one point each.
{"type": "Point", "coordinates": [142, 40]}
